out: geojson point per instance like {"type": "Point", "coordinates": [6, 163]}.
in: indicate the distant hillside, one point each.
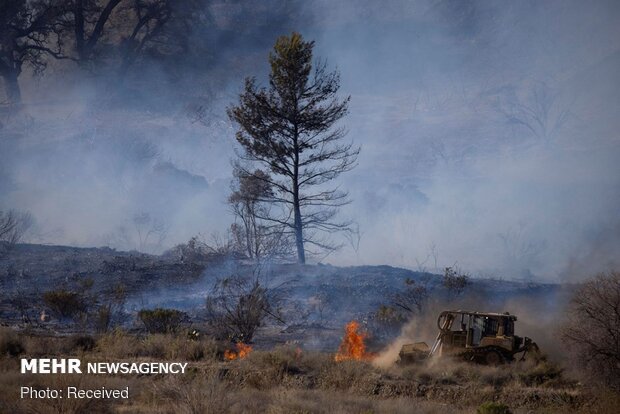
{"type": "Point", "coordinates": [318, 299]}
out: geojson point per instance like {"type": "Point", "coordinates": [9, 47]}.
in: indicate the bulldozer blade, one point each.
{"type": "Point", "coordinates": [414, 352]}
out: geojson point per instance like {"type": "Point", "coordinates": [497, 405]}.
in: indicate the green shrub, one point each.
{"type": "Point", "coordinates": [64, 303]}
{"type": "Point", "coordinates": [493, 408]}
{"type": "Point", "coordinates": [161, 320]}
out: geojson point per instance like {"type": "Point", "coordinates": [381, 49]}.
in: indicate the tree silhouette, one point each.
{"type": "Point", "coordinates": [249, 201]}
{"type": "Point", "coordinates": [29, 31]}
{"type": "Point", "coordinates": [289, 128]}
{"type": "Point", "coordinates": [592, 328]}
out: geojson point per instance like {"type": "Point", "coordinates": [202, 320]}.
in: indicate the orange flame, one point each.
{"type": "Point", "coordinates": [243, 350]}
{"type": "Point", "coordinates": [352, 346]}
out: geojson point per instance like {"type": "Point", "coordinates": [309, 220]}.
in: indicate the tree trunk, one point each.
{"type": "Point", "coordinates": [11, 87]}
{"type": "Point", "coordinates": [78, 28]}
{"type": "Point", "coordinates": [257, 240]}
{"type": "Point", "coordinates": [299, 235]}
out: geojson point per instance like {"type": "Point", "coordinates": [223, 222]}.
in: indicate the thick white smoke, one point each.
{"type": "Point", "coordinates": [453, 170]}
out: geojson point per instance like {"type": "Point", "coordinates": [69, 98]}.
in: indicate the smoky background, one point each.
{"type": "Point", "coordinates": [488, 132]}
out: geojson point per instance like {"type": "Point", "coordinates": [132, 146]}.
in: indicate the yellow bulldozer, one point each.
{"type": "Point", "coordinates": [480, 337]}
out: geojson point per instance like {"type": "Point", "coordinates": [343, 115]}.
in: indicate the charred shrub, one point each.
{"type": "Point", "coordinates": [237, 306]}
{"type": "Point", "coordinates": [386, 322]}
{"type": "Point", "coordinates": [194, 252]}
{"type": "Point", "coordinates": [455, 282]}
{"type": "Point", "coordinates": [413, 298]}
{"type": "Point", "coordinates": [493, 408]}
{"type": "Point", "coordinates": [64, 303]}
{"type": "Point", "coordinates": [10, 344]}
{"type": "Point", "coordinates": [111, 311]}
{"type": "Point", "coordinates": [161, 320]}
{"type": "Point", "coordinates": [103, 318]}
{"type": "Point", "coordinates": [592, 328]}
{"type": "Point", "coordinates": [13, 225]}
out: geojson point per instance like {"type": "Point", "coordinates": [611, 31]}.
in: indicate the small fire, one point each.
{"type": "Point", "coordinates": [352, 346]}
{"type": "Point", "coordinates": [243, 350]}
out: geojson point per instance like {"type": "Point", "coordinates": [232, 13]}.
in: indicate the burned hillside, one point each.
{"type": "Point", "coordinates": [316, 299]}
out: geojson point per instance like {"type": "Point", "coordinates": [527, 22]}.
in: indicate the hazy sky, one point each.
{"type": "Point", "coordinates": [489, 134]}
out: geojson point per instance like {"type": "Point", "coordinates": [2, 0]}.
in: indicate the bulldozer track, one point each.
{"type": "Point", "coordinates": [488, 355]}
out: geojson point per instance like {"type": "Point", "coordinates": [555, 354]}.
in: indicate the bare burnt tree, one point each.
{"type": "Point", "coordinates": [539, 111]}
{"type": "Point", "coordinates": [413, 298]}
{"type": "Point", "coordinates": [238, 305]}
{"type": "Point", "coordinates": [147, 30]}
{"type": "Point", "coordinates": [13, 225]}
{"type": "Point", "coordinates": [433, 255]}
{"type": "Point", "coordinates": [142, 232]}
{"type": "Point", "coordinates": [289, 128]}
{"type": "Point", "coordinates": [136, 24]}
{"type": "Point", "coordinates": [592, 330]}
{"type": "Point", "coordinates": [30, 32]}
{"type": "Point", "coordinates": [89, 18]}
{"type": "Point", "coordinates": [151, 232]}
{"type": "Point", "coordinates": [520, 250]}
{"type": "Point", "coordinates": [249, 202]}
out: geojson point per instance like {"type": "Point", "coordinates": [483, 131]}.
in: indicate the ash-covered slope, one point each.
{"type": "Point", "coordinates": [30, 270]}
{"type": "Point", "coordinates": [312, 295]}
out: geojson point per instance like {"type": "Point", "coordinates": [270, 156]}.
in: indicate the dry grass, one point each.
{"type": "Point", "coordinates": [603, 401]}
{"type": "Point", "coordinates": [119, 344]}
{"type": "Point", "coordinates": [213, 396]}
{"type": "Point", "coordinates": [201, 394]}
{"type": "Point", "coordinates": [288, 380]}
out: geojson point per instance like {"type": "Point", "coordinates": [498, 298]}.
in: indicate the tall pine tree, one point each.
{"type": "Point", "coordinates": [290, 129]}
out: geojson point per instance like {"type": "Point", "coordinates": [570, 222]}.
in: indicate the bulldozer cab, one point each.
{"type": "Point", "coordinates": [464, 329]}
